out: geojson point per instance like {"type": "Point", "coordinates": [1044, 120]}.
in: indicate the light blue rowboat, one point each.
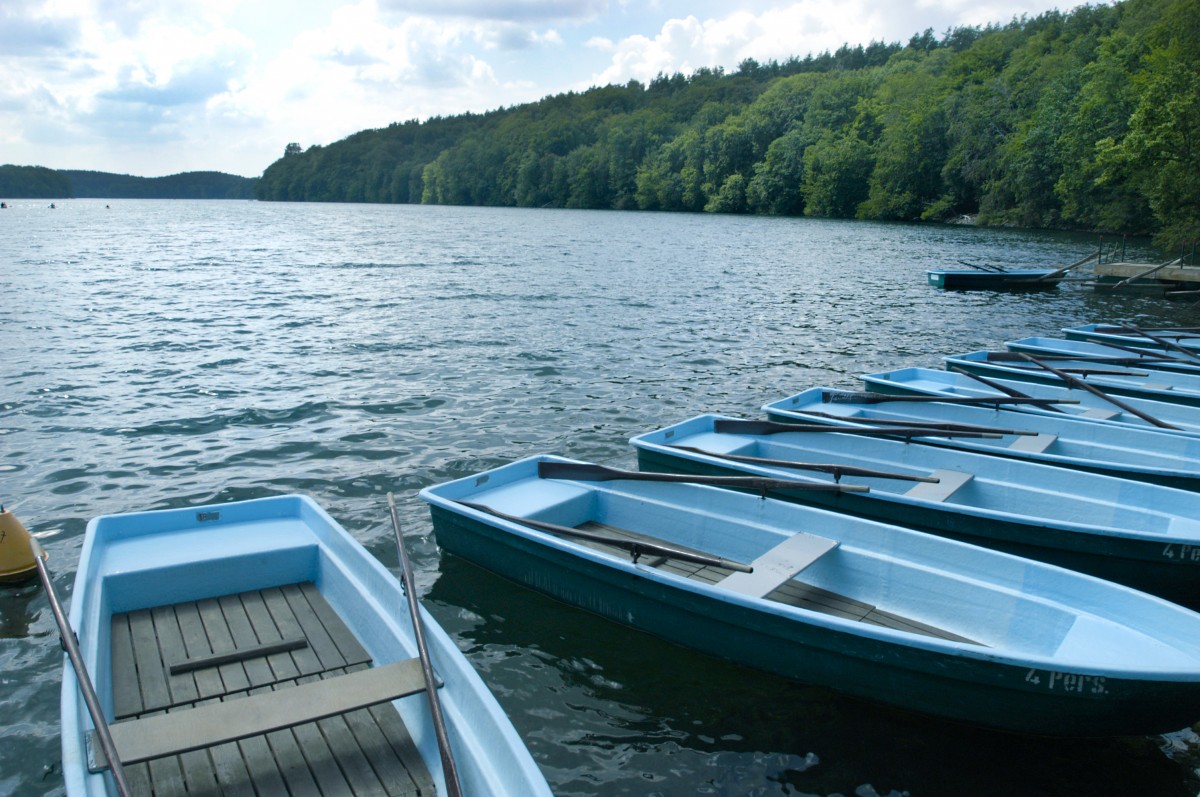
{"type": "Point", "coordinates": [866, 608]}
{"type": "Point", "coordinates": [1182, 340]}
{"type": "Point", "coordinates": [1138, 534]}
{"type": "Point", "coordinates": [1153, 456]}
{"type": "Point", "coordinates": [1176, 388]}
{"type": "Point", "coordinates": [1125, 356]}
{"type": "Point", "coordinates": [930, 382]}
{"type": "Point", "coordinates": [244, 622]}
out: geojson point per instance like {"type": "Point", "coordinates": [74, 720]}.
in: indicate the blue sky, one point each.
{"type": "Point", "coordinates": [155, 87]}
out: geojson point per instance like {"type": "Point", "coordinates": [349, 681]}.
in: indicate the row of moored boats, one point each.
{"type": "Point", "coordinates": [258, 643]}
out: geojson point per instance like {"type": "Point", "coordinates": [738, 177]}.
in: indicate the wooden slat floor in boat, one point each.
{"type": "Point", "coordinates": [368, 751]}
{"type": "Point", "coordinates": [794, 593]}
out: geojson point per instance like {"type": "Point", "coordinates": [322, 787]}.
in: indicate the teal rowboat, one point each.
{"type": "Point", "coordinates": [1175, 388]}
{"type": "Point", "coordinates": [1086, 406]}
{"type": "Point", "coordinates": [866, 608]}
{"type": "Point", "coordinates": [1158, 457]}
{"type": "Point", "coordinates": [1138, 534]}
{"type": "Point", "coordinates": [1031, 279]}
{"type": "Point", "coordinates": [255, 647]}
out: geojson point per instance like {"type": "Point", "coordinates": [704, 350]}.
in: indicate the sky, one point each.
{"type": "Point", "coordinates": [158, 87]}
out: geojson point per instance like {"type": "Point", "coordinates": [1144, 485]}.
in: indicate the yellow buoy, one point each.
{"type": "Point", "coordinates": [17, 563]}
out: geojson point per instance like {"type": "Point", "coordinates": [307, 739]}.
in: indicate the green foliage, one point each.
{"type": "Point", "coordinates": [33, 182]}
{"type": "Point", "coordinates": [37, 182]}
{"type": "Point", "coordinates": [1080, 120]}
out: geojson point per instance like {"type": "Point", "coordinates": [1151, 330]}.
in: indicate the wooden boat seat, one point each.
{"type": "Point", "coordinates": [217, 723]}
{"type": "Point", "coordinates": [1033, 444]}
{"type": "Point", "coordinates": [1099, 413]}
{"type": "Point", "coordinates": [779, 565]}
{"type": "Point", "coordinates": [947, 482]}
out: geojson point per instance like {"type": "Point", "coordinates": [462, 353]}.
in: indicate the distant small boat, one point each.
{"type": "Point", "coordinates": [1084, 405]}
{"type": "Point", "coordinates": [1148, 455]}
{"type": "Point", "coordinates": [1016, 279]}
{"type": "Point", "coordinates": [1173, 387]}
{"type": "Point", "coordinates": [256, 647]}
{"type": "Point", "coordinates": [1118, 355]}
{"type": "Point", "coordinates": [999, 278]}
{"type": "Point", "coordinates": [1138, 534]}
{"type": "Point", "coordinates": [862, 607]}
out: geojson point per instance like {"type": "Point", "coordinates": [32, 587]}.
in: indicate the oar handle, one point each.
{"type": "Point", "coordinates": [449, 769]}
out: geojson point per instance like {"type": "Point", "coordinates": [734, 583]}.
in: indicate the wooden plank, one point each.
{"type": "Point", "coordinates": [127, 697]}
{"type": "Point", "coordinates": [1099, 413]}
{"type": "Point", "coordinates": [779, 564]}
{"type": "Point", "coordinates": [403, 749]}
{"type": "Point", "coordinates": [948, 482]}
{"type": "Point", "coordinates": [308, 661]}
{"type": "Point", "coordinates": [258, 670]}
{"type": "Point", "coordinates": [151, 679]}
{"type": "Point", "coordinates": [1033, 444]}
{"type": "Point", "coordinates": [195, 642]}
{"type": "Point", "coordinates": [232, 674]}
{"type": "Point", "coordinates": [267, 629]}
{"type": "Point", "coordinates": [197, 728]}
{"type": "Point", "coordinates": [340, 634]}
{"type": "Point", "coordinates": [170, 644]}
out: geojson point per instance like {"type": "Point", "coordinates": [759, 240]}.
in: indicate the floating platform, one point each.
{"type": "Point", "coordinates": [1174, 278]}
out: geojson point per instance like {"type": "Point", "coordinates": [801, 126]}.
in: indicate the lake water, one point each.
{"type": "Point", "coordinates": [161, 354]}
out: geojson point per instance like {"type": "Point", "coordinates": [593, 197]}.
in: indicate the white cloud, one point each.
{"type": "Point", "coordinates": [510, 10]}
{"type": "Point", "coordinates": [683, 45]}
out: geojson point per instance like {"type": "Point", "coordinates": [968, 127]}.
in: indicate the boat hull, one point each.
{"type": "Point", "coordinates": [986, 690]}
{"type": "Point", "coordinates": [1022, 280]}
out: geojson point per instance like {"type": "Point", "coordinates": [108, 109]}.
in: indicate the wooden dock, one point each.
{"type": "Point", "coordinates": [1147, 277]}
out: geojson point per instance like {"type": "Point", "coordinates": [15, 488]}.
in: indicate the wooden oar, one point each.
{"type": "Point", "coordinates": [583, 471]}
{"type": "Point", "coordinates": [1143, 355]}
{"type": "Point", "coordinates": [1104, 359]}
{"type": "Point", "coordinates": [838, 471]}
{"type": "Point", "coordinates": [773, 427]}
{"type": "Point", "coordinates": [1012, 392]}
{"type": "Point", "coordinates": [636, 548]}
{"type": "Point", "coordinates": [1095, 391]}
{"type": "Point", "coordinates": [1161, 341]}
{"type": "Point", "coordinates": [866, 397]}
{"type": "Point", "coordinates": [1059, 272]}
{"type": "Point", "coordinates": [938, 425]}
{"type": "Point", "coordinates": [449, 769]}
{"type": "Point", "coordinates": [1017, 360]}
{"type": "Point", "coordinates": [984, 267]}
{"type": "Point", "coordinates": [71, 645]}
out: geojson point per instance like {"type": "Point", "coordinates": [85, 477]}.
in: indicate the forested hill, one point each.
{"type": "Point", "coordinates": [38, 182]}
{"type": "Point", "coordinates": [1086, 120]}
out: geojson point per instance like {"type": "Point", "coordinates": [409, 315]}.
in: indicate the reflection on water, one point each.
{"type": "Point", "coordinates": [163, 354]}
